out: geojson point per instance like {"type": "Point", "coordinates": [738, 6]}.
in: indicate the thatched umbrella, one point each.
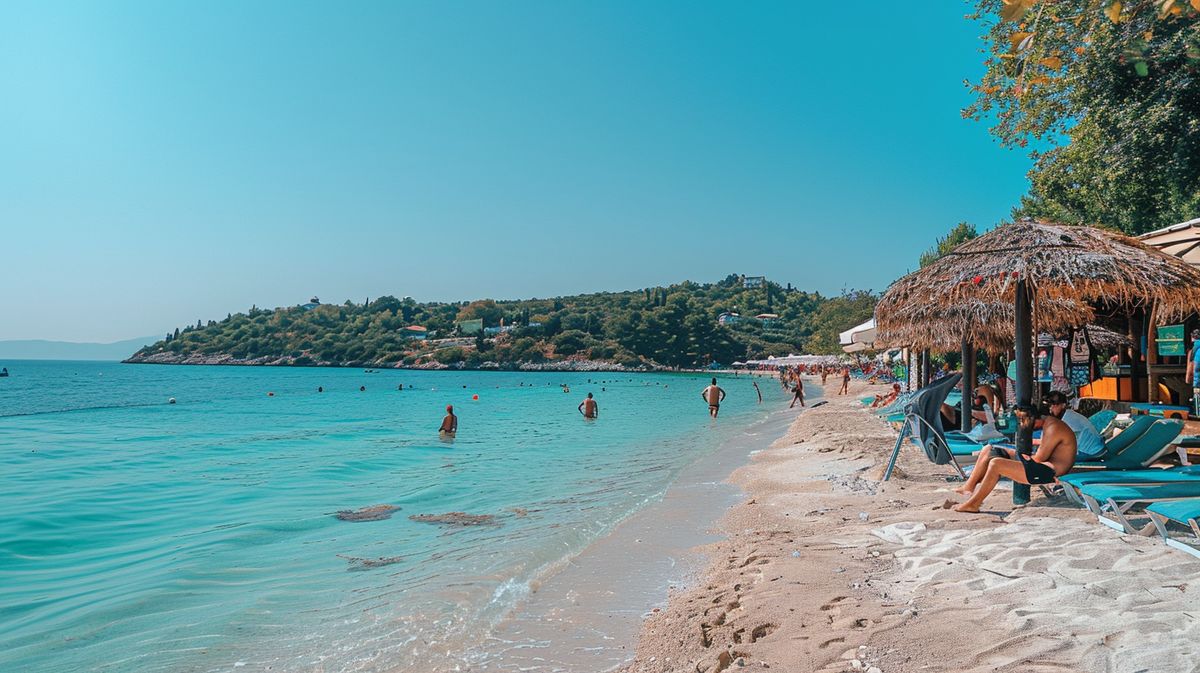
{"type": "Point", "coordinates": [1030, 265]}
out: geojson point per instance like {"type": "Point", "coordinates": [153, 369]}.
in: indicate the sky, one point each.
{"type": "Point", "coordinates": [168, 161]}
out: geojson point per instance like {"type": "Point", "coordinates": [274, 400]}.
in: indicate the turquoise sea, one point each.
{"type": "Point", "coordinates": [200, 536]}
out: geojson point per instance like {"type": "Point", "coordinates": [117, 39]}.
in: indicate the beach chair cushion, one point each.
{"type": "Point", "coordinates": [1180, 511]}
{"type": "Point", "coordinates": [1147, 448]}
{"type": "Point", "coordinates": [1155, 476]}
{"type": "Point", "coordinates": [1103, 421]}
{"type": "Point", "coordinates": [1122, 441]}
{"type": "Point", "coordinates": [1142, 493]}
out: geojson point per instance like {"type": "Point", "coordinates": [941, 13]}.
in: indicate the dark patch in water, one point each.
{"type": "Point", "coordinates": [357, 563]}
{"type": "Point", "coordinates": [455, 519]}
{"type": "Point", "coordinates": [372, 513]}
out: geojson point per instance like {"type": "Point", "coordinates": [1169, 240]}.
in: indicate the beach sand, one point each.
{"type": "Point", "coordinates": [825, 568]}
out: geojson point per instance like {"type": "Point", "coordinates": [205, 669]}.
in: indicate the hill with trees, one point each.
{"type": "Point", "coordinates": [687, 324]}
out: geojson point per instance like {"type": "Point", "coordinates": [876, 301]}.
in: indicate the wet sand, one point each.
{"type": "Point", "coordinates": [824, 568]}
{"type": "Point", "coordinates": [585, 616]}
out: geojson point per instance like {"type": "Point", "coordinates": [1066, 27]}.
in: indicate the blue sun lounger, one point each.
{"type": "Point", "coordinates": [1112, 503]}
{"type": "Point", "coordinates": [1073, 482]}
{"type": "Point", "coordinates": [1103, 421]}
{"type": "Point", "coordinates": [1142, 449]}
{"type": "Point", "coordinates": [1183, 512]}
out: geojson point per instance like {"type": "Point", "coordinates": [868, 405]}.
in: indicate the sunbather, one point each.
{"type": "Point", "coordinates": [1054, 458]}
{"type": "Point", "coordinates": [884, 400]}
{"type": "Point", "coordinates": [952, 415]}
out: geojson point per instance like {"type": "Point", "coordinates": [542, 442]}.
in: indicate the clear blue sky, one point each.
{"type": "Point", "coordinates": [162, 162]}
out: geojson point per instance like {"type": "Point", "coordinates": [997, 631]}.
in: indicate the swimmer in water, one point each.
{"type": "Point", "coordinates": [320, 389]}
{"type": "Point", "coordinates": [362, 389]}
{"type": "Point", "coordinates": [450, 422]}
{"type": "Point", "coordinates": [589, 408]}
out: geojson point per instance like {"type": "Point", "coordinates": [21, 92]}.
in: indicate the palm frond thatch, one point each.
{"type": "Point", "coordinates": [1068, 268]}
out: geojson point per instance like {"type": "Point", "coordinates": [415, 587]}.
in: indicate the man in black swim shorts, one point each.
{"type": "Point", "coordinates": [1052, 459]}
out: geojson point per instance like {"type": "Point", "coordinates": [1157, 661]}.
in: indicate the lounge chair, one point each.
{"type": "Point", "coordinates": [1121, 442]}
{"type": "Point", "coordinates": [1073, 482]}
{"type": "Point", "coordinates": [1111, 504]}
{"type": "Point", "coordinates": [1183, 512]}
{"type": "Point", "coordinates": [1103, 421]}
{"type": "Point", "coordinates": [1142, 450]}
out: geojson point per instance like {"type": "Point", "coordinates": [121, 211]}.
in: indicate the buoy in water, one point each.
{"type": "Point", "coordinates": [474, 397]}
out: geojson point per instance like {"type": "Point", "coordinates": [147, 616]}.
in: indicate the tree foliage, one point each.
{"type": "Point", "coordinates": [1107, 95]}
{"type": "Point", "coordinates": [668, 326]}
{"type": "Point", "coordinates": [961, 233]}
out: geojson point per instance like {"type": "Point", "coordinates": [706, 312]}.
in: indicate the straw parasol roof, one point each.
{"type": "Point", "coordinates": [942, 329]}
{"type": "Point", "coordinates": [1100, 337]}
{"type": "Point", "coordinates": [972, 289]}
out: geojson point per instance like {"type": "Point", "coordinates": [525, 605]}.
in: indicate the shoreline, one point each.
{"type": "Point", "coordinates": [586, 614]}
{"type": "Point", "coordinates": [822, 567]}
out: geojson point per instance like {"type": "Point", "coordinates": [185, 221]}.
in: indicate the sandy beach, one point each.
{"type": "Point", "coordinates": [824, 568]}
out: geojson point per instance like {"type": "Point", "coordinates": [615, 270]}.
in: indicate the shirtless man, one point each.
{"type": "Point", "coordinates": [713, 395]}
{"type": "Point", "coordinates": [1053, 458]}
{"type": "Point", "coordinates": [589, 408]}
{"type": "Point", "coordinates": [845, 389]}
{"type": "Point", "coordinates": [450, 422]}
{"type": "Point", "coordinates": [797, 393]}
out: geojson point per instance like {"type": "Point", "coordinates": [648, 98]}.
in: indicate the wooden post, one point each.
{"type": "Point", "coordinates": [926, 368]}
{"type": "Point", "coordinates": [1152, 356]}
{"type": "Point", "coordinates": [968, 384]}
{"type": "Point", "coordinates": [1024, 355]}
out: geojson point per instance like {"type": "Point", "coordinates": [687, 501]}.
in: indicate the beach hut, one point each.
{"type": "Point", "coordinates": [1051, 274]}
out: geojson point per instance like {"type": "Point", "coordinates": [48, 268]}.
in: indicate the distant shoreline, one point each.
{"type": "Point", "coordinates": [554, 366]}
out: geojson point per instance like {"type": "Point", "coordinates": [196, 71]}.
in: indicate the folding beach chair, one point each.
{"type": "Point", "coordinates": [923, 423]}
{"type": "Point", "coordinates": [1183, 512]}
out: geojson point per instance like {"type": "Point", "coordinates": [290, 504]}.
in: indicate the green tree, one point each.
{"type": "Point", "coordinates": [961, 233]}
{"type": "Point", "coordinates": [1106, 95]}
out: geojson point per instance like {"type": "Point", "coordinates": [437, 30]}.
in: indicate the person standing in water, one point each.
{"type": "Point", "coordinates": [589, 408]}
{"type": "Point", "coordinates": [797, 393]}
{"type": "Point", "coordinates": [450, 422]}
{"type": "Point", "coordinates": [713, 394]}
{"type": "Point", "coordinates": [757, 391]}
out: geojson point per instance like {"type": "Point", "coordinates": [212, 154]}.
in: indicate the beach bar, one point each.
{"type": "Point", "coordinates": [1054, 276]}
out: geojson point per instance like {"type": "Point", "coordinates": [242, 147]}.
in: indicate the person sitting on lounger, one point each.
{"type": "Point", "coordinates": [1054, 458]}
{"type": "Point", "coordinates": [984, 399]}
{"type": "Point", "coordinates": [1090, 443]}
{"type": "Point", "coordinates": [884, 400]}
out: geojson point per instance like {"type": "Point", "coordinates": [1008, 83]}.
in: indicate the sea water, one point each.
{"type": "Point", "coordinates": [139, 535]}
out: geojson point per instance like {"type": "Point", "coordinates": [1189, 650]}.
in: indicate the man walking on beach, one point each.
{"type": "Point", "coordinates": [797, 393]}
{"type": "Point", "coordinates": [1054, 458]}
{"type": "Point", "coordinates": [713, 395]}
{"type": "Point", "coordinates": [845, 389]}
{"type": "Point", "coordinates": [589, 408]}
{"type": "Point", "coordinates": [450, 422]}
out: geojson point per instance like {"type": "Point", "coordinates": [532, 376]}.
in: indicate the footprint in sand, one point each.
{"type": "Point", "coordinates": [762, 631]}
